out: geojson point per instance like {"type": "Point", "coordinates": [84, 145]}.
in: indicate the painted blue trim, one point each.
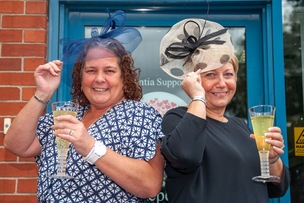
{"type": "Point", "coordinates": [268, 65]}
{"type": "Point", "coordinates": [278, 61]}
{"type": "Point", "coordinates": [53, 38]}
{"type": "Point", "coordinates": [274, 73]}
{"type": "Point", "coordinates": [279, 79]}
{"type": "Point", "coordinates": [255, 86]}
{"type": "Point", "coordinates": [268, 50]}
{"type": "Point", "coordinates": [63, 88]}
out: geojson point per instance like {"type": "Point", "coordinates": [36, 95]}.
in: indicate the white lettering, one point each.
{"type": "Point", "coordinates": [161, 197]}
{"type": "Point", "coordinates": [147, 82]}
{"type": "Point", "coordinates": [160, 82]}
{"type": "Point", "coordinates": [168, 83]}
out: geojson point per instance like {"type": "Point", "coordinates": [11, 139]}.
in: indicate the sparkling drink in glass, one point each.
{"type": "Point", "coordinates": [262, 118]}
{"type": "Point", "coordinates": [63, 108]}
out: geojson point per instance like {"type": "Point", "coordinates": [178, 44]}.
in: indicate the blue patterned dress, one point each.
{"type": "Point", "coordinates": [129, 128]}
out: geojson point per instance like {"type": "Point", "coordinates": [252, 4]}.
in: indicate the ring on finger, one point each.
{"type": "Point", "coordinates": [71, 132]}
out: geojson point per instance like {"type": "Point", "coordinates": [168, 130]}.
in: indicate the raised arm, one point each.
{"type": "Point", "coordinates": [21, 137]}
{"type": "Point", "coordinates": [183, 145]}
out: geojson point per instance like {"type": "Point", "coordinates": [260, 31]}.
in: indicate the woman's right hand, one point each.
{"type": "Point", "coordinates": [71, 129]}
{"type": "Point", "coordinates": [47, 77]}
{"type": "Point", "coordinates": [192, 84]}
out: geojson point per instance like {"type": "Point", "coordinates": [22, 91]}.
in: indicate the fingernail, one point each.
{"type": "Point", "coordinates": [267, 140]}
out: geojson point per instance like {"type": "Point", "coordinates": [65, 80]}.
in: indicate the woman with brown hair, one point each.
{"type": "Point", "coordinates": [114, 155]}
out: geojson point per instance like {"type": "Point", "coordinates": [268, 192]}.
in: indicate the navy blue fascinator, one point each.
{"type": "Point", "coordinates": [114, 28]}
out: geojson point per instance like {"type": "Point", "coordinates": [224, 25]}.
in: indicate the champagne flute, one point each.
{"type": "Point", "coordinates": [262, 117]}
{"type": "Point", "coordinates": [62, 108]}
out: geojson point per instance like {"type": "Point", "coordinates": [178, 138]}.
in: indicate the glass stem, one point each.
{"type": "Point", "coordinates": [61, 164]}
{"type": "Point", "coordinates": [264, 161]}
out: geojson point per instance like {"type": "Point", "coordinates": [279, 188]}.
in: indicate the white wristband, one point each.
{"type": "Point", "coordinates": [98, 150]}
{"type": "Point", "coordinates": [199, 98]}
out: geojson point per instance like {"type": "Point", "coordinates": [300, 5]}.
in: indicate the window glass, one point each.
{"type": "Point", "coordinates": [293, 30]}
{"type": "Point", "coordinates": [164, 92]}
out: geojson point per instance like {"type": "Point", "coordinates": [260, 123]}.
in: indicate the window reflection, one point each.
{"type": "Point", "coordinates": [293, 29]}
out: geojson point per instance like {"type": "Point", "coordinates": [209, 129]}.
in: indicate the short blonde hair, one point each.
{"type": "Point", "coordinates": [235, 63]}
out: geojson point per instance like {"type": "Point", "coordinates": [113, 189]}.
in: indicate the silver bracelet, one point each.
{"type": "Point", "coordinates": [275, 160]}
{"type": "Point", "coordinates": [199, 98]}
{"type": "Point", "coordinates": [40, 100]}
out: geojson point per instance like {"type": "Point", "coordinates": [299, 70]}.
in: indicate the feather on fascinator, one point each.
{"type": "Point", "coordinates": [114, 28]}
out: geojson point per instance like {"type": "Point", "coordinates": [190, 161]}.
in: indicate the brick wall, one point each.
{"type": "Point", "coordinates": [23, 40]}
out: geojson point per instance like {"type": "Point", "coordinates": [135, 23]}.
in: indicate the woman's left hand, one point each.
{"type": "Point", "coordinates": [276, 141]}
{"type": "Point", "coordinates": [71, 129]}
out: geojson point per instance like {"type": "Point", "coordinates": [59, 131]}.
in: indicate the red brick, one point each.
{"type": "Point", "coordinates": [36, 7]}
{"type": "Point", "coordinates": [6, 155]}
{"type": "Point", "coordinates": [1, 128]}
{"type": "Point", "coordinates": [30, 159]}
{"type": "Point", "coordinates": [27, 186]}
{"type": "Point", "coordinates": [23, 49]}
{"type": "Point", "coordinates": [18, 198]}
{"type": "Point", "coordinates": [11, 7]}
{"type": "Point", "coordinates": [10, 35]}
{"type": "Point", "coordinates": [18, 170]}
{"type": "Point", "coordinates": [1, 134]}
{"type": "Point", "coordinates": [11, 108]}
{"type": "Point", "coordinates": [33, 63]}
{"type": "Point", "coordinates": [10, 64]}
{"type": "Point", "coordinates": [9, 93]}
{"type": "Point", "coordinates": [27, 93]}
{"type": "Point", "coordinates": [7, 186]}
{"type": "Point", "coordinates": [17, 79]}
{"type": "Point", "coordinates": [24, 21]}
{"type": "Point", "coordinates": [35, 36]}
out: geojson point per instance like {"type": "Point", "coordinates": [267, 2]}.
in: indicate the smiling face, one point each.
{"type": "Point", "coordinates": [102, 81]}
{"type": "Point", "coordinates": [220, 87]}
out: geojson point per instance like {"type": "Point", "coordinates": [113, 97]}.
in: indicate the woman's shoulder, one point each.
{"type": "Point", "coordinates": [139, 105]}
{"type": "Point", "coordinates": [180, 110]}
{"type": "Point", "coordinates": [237, 120]}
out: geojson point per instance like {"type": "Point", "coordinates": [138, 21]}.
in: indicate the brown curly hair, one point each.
{"type": "Point", "coordinates": [130, 75]}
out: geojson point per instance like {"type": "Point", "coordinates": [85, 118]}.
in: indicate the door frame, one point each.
{"type": "Point", "coordinates": [273, 84]}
